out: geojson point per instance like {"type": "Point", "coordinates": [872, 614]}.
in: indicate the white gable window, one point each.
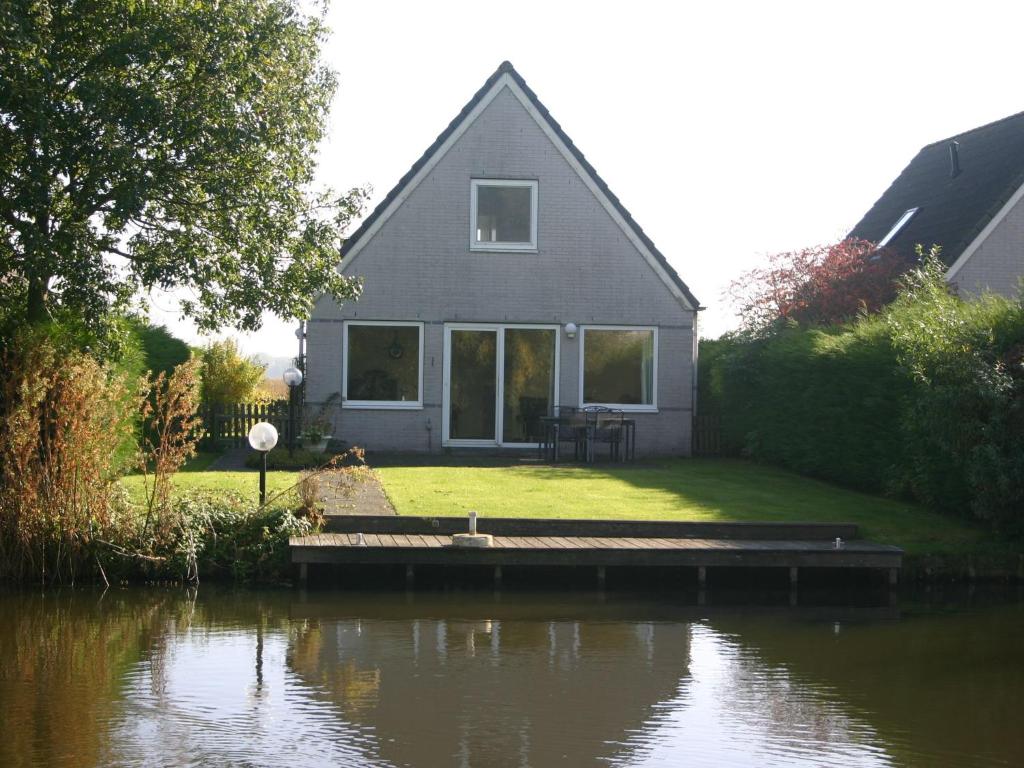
{"type": "Point", "coordinates": [383, 364]}
{"type": "Point", "coordinates": [619, 367]}
{"type": "Point", "coordinates": [503, 215]}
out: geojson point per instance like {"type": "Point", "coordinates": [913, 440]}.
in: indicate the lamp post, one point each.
{"type": "Point", "coordinates": [293, 378]}
{"type": "Point", "coordinates": [263, 438]}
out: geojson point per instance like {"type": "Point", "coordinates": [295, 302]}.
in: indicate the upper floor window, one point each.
{"type": "Point", "coordinates": [503, 215]}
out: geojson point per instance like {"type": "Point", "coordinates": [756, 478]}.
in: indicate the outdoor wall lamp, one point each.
{"type": "Point", "coordinates": [570, 330]}
{"type": "Point", "coordinates": [263, 438]}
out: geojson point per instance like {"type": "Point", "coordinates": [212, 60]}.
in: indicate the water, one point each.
{"type": "Point", "coordinates": [171, 677]}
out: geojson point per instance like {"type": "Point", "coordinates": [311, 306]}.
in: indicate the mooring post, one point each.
{"type": "Point", "coordinates": [410, 575]}
{"type": "Point", "coordinates": [702, 597]}
{"type": "Point", "coordinates": [497, 575]}
{"type": "Point", "coordinates": [303, 573]}
{"type": "Point", "coordinates": [601, 576]}
{"type": "Point", "coordinates": [794, 576]}
{"type": "Point", "coordinates": [894, 577]}
{"type": "Point", "coordinates": [702, 576]}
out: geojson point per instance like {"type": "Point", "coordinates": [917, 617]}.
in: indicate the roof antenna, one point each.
{"type": "Point", "coordinates": [954, 159]}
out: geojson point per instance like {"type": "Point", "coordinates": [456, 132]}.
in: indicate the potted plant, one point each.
{"type": "Point", "coordinates": [316, 435]}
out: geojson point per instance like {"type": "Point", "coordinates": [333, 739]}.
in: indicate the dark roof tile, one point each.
{"type": "Point", "coordinates": [953, 209]}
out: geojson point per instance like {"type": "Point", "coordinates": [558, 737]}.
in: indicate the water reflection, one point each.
{"type": "Point", "coordinates": [279, 678]}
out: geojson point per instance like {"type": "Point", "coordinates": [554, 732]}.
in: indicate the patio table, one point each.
{"type": "Point", "coordinates": [552, 424]}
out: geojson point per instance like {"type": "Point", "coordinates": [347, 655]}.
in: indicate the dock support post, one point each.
{"type": "Point", "coordinates": [410, 576]}
{"type": "Point", "coordinates": [303, 573]}
{"type": "Point", "coordinates": [702, 576]}
{"type": "Point", "coordinates": [601, 576]}
{"type": "Point", "coordinates": [497, 575]}
{"type": "Point", "coordinates": [794, 576]}
{"type": "Point", "coordinates": [894, 577]}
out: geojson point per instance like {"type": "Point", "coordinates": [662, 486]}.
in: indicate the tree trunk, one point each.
{"type": "Point", "coordinates": [36, 312]}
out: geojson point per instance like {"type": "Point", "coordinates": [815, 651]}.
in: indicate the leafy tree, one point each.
{"type": "Point", "coordinates": [165, 145]}
{"type": "Point", "coordinates": [228, 376]}
{"type": "Point", "coordinates": [822, 285]}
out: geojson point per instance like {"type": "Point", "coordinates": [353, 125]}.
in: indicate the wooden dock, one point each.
{"type": "Point", "coordinates": [599, 544]}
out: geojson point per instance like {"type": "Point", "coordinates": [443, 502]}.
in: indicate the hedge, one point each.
{"type": "Point", "coordinates": [925, 399]}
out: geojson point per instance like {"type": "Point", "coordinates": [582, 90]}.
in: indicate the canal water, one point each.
{"type": "Point", "coordinates": [169, 677]}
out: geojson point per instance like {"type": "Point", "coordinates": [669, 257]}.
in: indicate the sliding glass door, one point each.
{"type": "Point", "coordinates": [499, 381]}
{"type": "Point", "coordinates": [473, 386]}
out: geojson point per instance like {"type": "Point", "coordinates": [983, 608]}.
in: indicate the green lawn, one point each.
{"type": "Point", "coordinates": [675, 489]}
{"type": "Point", "coordinates": [195, 475]}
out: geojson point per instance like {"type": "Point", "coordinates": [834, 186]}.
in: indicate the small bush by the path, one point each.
{"type": "Point", "coordinates": [223, 536]}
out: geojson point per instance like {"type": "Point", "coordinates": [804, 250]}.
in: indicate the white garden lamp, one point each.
{"type": "Point", "coordinates": [263, 438]}
{"type": "Point", "coordinates": [293, 378]}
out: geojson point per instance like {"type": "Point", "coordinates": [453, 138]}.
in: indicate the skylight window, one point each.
{"type": "Point", "coordinates": [901, 222]}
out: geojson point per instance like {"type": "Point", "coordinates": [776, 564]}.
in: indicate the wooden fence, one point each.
{"type": "Point", "coordinates": [707, 435]}
{"type": "Point", "coordinates": [229, 425]}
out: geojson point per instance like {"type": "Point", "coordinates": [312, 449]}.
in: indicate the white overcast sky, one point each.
{"type": "Point", "coordinates": [729, 130]}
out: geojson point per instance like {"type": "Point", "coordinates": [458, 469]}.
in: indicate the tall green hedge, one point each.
{"type": "Point", "coordinates": [925, 399]}
{"type": "Point", "coordinates": [824, 402]}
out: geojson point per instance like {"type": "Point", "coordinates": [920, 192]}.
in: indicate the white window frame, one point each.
{"type": "Point", "coordinates": [630, 407]}
{"type": "Point", "coordinates": [477, 245]}
{"type": "Point", "coordinates": [499, 413]}
{"type": "Point", "coordinates": [384, 405]}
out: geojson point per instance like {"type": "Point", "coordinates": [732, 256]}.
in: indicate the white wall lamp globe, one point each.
{"type": "Point", "coordinates": [570, 330]}
{"type": "Point", "coordinates": [292, 376]}
{"type": "Point", "coordinates": [263, 436]}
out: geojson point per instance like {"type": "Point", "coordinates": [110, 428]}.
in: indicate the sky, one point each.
{"type": "Point", "coordinates": [729, 130]}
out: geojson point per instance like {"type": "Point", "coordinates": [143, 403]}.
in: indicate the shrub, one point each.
{"type": "Point", "coordinates": [821, 285]}
{"type": "Point", "coordinates": [925, 398]}
{"type": "Point", "coordinates": [963, 426]}
{"type": "Point", "coordinates": [223, 535]}
{"type": "Point", "coordinates": [64, 416]}
{"type": "Point", "coordinates": [228, 376]}
{"type": "Point", "coordinates": [171, 432]}
{"type": "Point", "coordinates": [824, 402]}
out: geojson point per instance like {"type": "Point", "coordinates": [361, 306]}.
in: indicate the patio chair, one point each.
{"type": "Point", "coordinates": [604, 425]}
{"type": "Point", "coordinates": [531, 409]}
{"type": "Point", "coordinates": [567, 427]}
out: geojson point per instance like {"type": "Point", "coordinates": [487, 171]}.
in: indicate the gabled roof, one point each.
{"type": "Point", "coordinates": [383, 209]}
{"type": "Point", "coordinates": [952, 209]}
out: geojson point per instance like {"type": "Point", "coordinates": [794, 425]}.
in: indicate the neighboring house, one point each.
{"type": "Point", "coordinates": [965, 194]}
{"type": "Point", "coordinates": [503, 279]}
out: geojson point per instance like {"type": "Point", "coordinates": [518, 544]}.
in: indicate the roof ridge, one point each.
{"type": "Point", "coordinates": [973, 130]}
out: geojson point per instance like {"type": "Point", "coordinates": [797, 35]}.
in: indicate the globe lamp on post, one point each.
{"type": "Point", "coordinates": [293, 378]}
{"type": "Point", "coordinates": [263, 438]}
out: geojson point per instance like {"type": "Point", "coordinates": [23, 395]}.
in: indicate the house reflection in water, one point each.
{"type": "Point", "coordinates": [493, 691]}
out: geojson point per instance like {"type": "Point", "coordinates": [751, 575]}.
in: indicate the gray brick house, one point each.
{"type": "Point", "coordinates": [966, 194]}
{"type": "Point", "coordinates": [502, 279]}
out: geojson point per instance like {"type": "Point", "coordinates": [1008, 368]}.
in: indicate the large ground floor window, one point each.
{"type": "Point", "coordinates": [619, 367]}
{"type": "Point", "coordinates": [383, 364]}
